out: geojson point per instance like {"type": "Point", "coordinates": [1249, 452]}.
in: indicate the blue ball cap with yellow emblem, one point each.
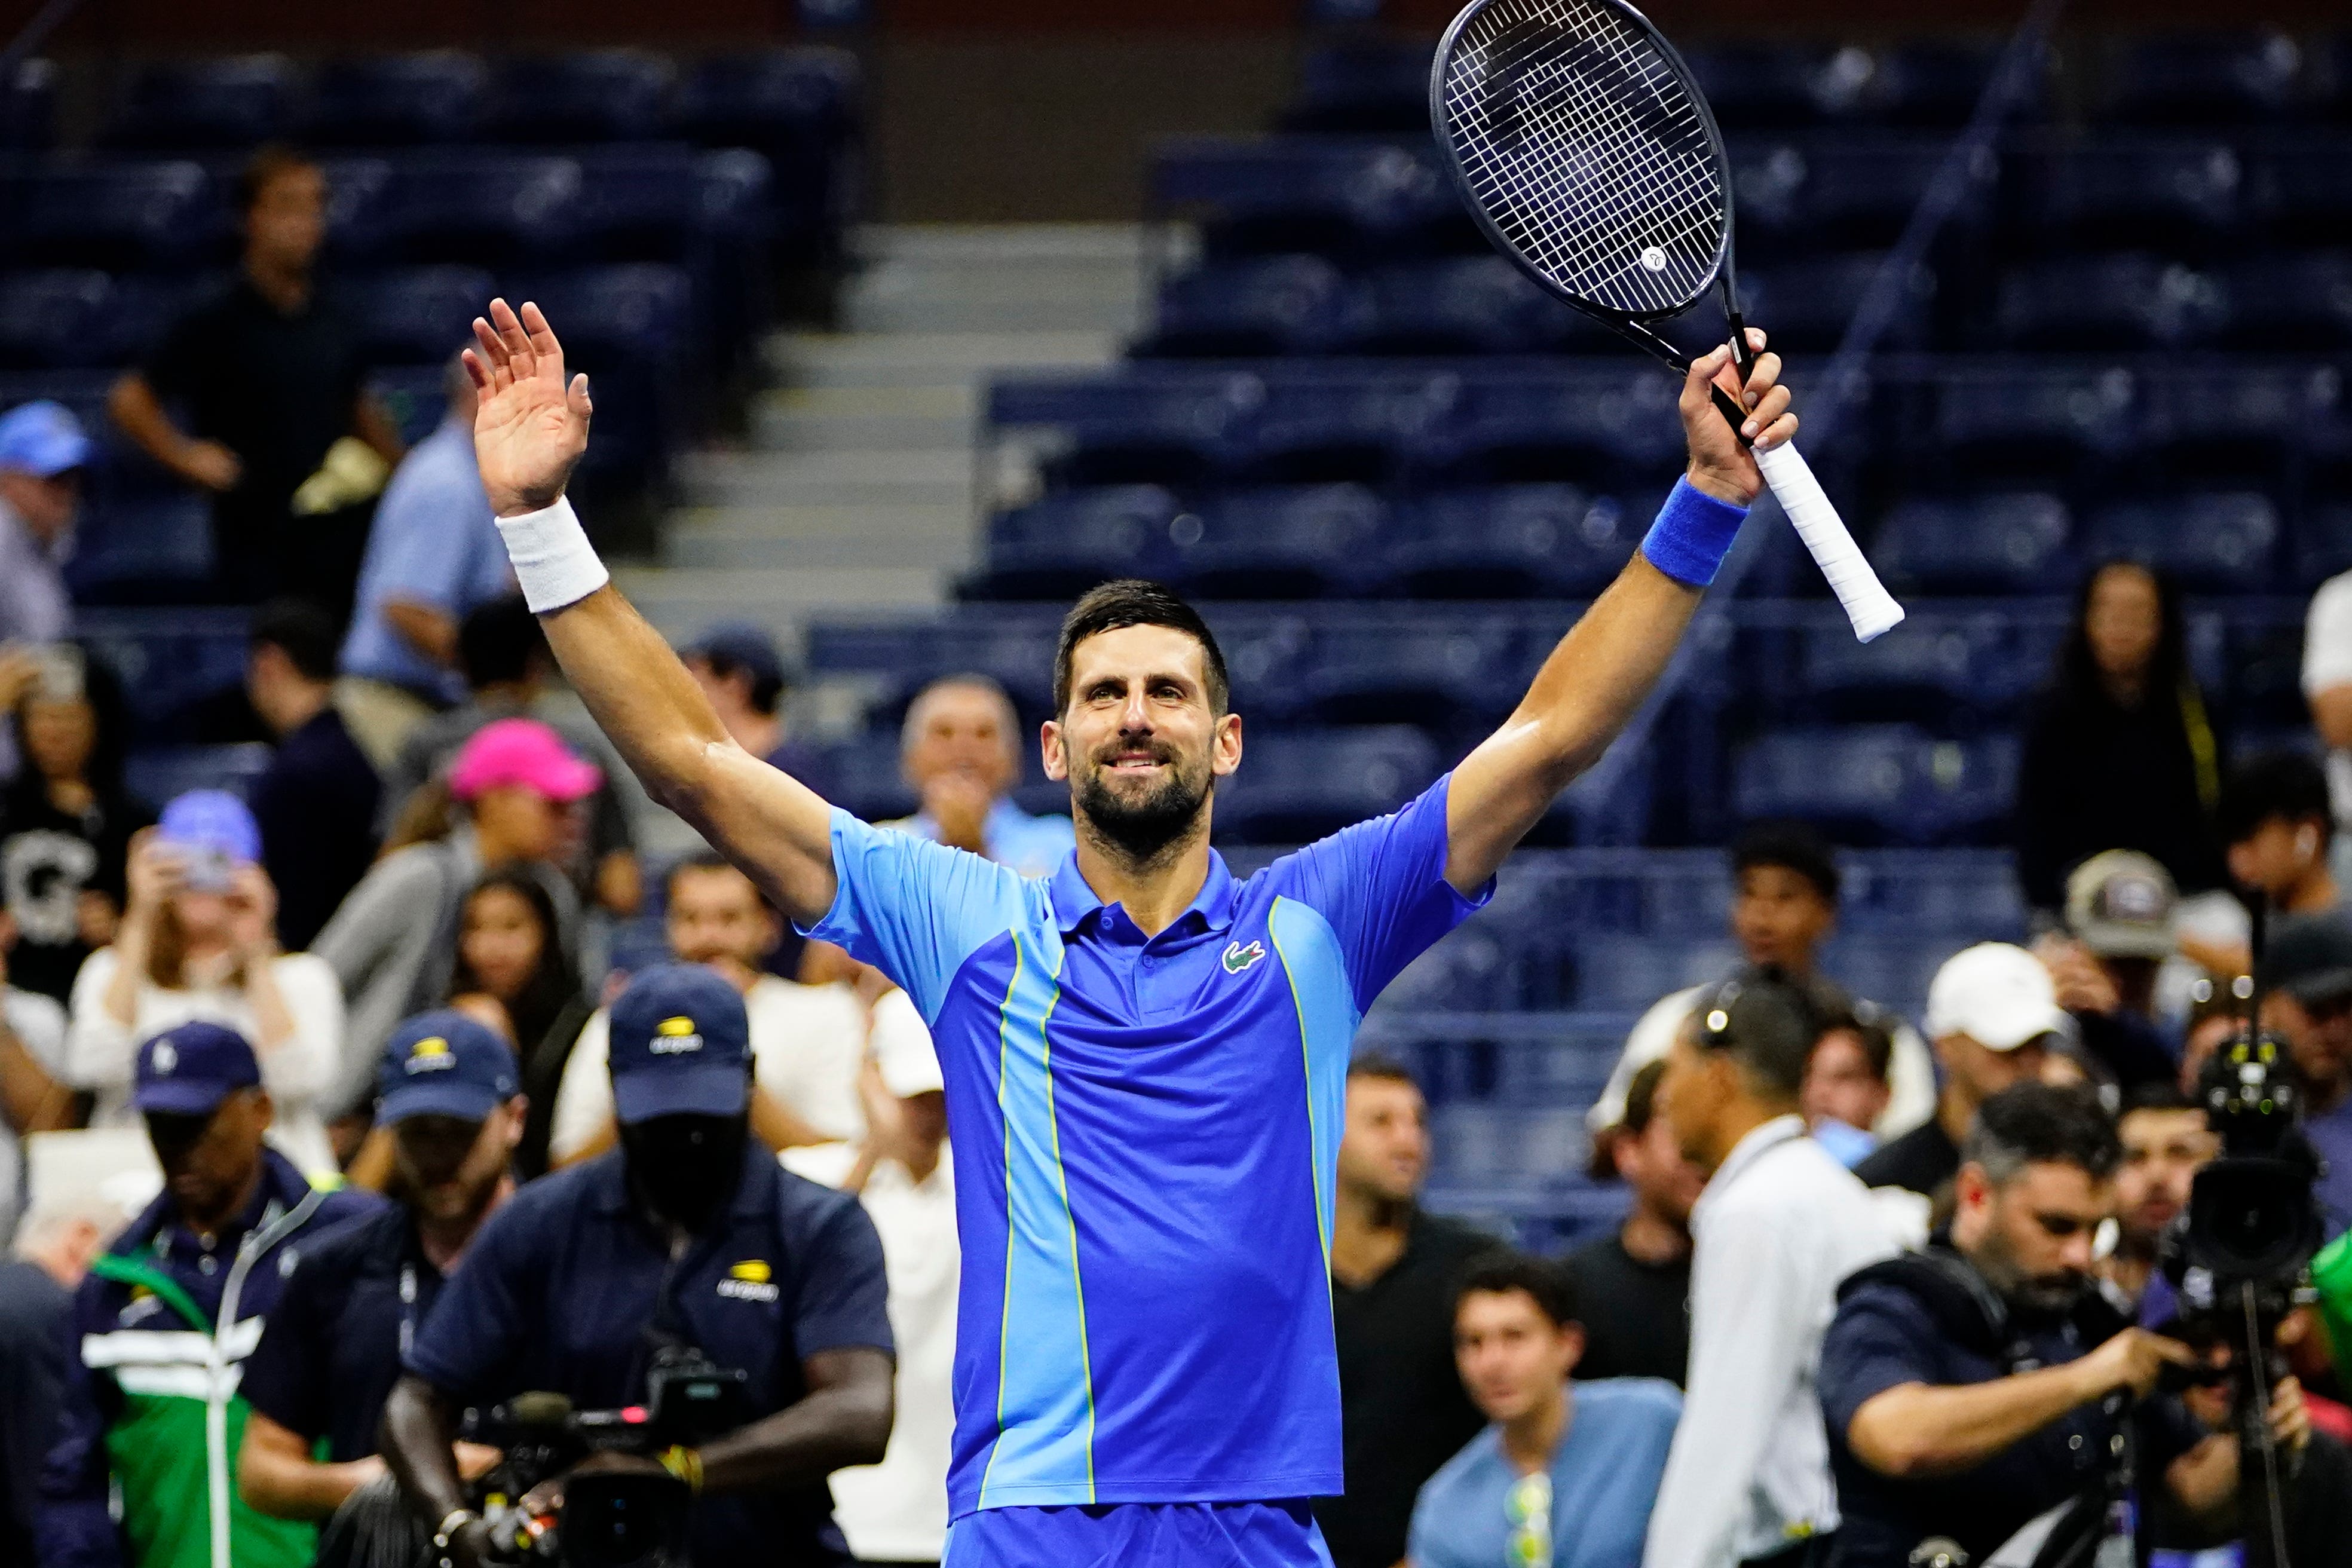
{"type": "Point", "coordinates": [190, 1069]}
{"type": "Point", "coordinates": [680, 1046]}
{"type": "Point", "coordinates": [443, 1064]}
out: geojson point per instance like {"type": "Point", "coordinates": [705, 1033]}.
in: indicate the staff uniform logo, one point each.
{"type": "Point", "coordinates": [430, 1054]}
{"type": "Point", "coordinates": [166, 1058]}
{"type": "Point", "coordinates": [675, 1038]}
{"type": "Point", "coordinates": [1238, 958]}
{"type": "Point", "coordinates": [750, 1280]}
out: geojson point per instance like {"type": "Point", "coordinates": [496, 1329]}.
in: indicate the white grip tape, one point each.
{"type": "Point", "coordinates": [1868, 604]}
{"type": "Point", "coordinates": [554, 563]}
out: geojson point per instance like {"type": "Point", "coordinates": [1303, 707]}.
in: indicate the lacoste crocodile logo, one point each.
{"type": "Point", "coordinates": [1238, 958]}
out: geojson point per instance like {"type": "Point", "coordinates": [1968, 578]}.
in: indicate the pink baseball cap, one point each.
{"type": "Point", "coordinates": [521, 751]}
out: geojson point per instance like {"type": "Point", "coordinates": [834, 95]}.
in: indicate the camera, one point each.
{"type": "Point", "coordinates": [2252, 1223]}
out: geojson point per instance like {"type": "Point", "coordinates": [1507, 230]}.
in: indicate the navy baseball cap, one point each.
{"type": "Point", "coordinates": [680, 1045]}
{"type": "Point", "coordinates": [189, 1070]}
{"type": "Point", "coordinates": [443, 1064]}
{"type": "Point", "coordinates": [740, 645]}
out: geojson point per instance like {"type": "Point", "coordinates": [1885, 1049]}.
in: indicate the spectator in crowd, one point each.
{"type": "Point", "coordinates": [808, 1042]}
{"type": "Point", "coordinates": [691, 1232]}
{"type": "Point", "coordinates": [1993, 1014]}
{"type": "Point", "coordinates": [316, 802]}
{"type": "Point", "coordinates": [1846, 1090]}
{"type": "Point", "coordinates": [2314, 1496]}
{"type": "Point", "coordinates": [42, 453]}
{"type": "Point", "coordinates": [393, 943]}
{"type": "Point", "coordinates": [2327, 687]}
{"type": "Point", "coordinates": [2165, 1142]}
{"type": "Point", "coordinates": [329, 1356]}
{"type": "Point", "coordinates": [1784, 905]}
{"type": "Point", "coordinates": [1976, 1386]}
{"type": "Point", "coordinates": [1632, 1286]}
{"type": "Point", "coordinates": [2119, 753]}
{"type": "Point", "coordinates": [2306, 982]}
{"type": "Point", "coordinates": [514, 976]}
{"type": "Point", "coordinates": [65, 822]}
{"type": "Point", "coordinates": [199, 940]}
{"type": "Point", "coordinates": [739, 669]}
{"type": "Point", "coordinates": [2278, 830]}
{"type": "Point", "coordinates": [960, 750]}
{"type": "Point", "coordinates": [1588, 1455]}
{"type": "Point", "coordinates": [504, 656]}
{"type": "Point", "coordinates": [53, 1252]}
{"type": "Point", "coordinates": [1393, 1272]}
{"type": "Point", "coordinates": [269, 375]}
{"type": "Point", "coordinates": [1779, 1223]}
{"type": "Point", "coordinates": [432, 559]}
{"type": "Point", "coordinates": [2120, 908]}
{"type": "Point", "coordinates": [33, 1096]}
{"type": "Point", "coordinates": [219, 1240]}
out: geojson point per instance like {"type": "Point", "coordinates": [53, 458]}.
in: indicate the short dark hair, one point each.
{"type": "Point", "coordinates": [1380, 1065]}
{"type": "Point", "coordinates": [1766, 1026]}
{"type": "Point", "coordinates": [1793, 846]}
{"type": "Point", "coordinates": [497, 642]}
{"type": "Point", "coordinates": [1540, 1279]}
{"type": "Point", "coordinates": [764, 687]}
{"type": "Point", "coordinates": [268, 163]}
{"type": "Point", "coordinates": [300, 630]}
{"type": "Point", "coordinates": [1871, 1024]}
{"type": "Point", "coordinates": [2043, 1124]}
{"type": "Point", "coordinates": [2157, 1094]}
{"type": "Point", "coordinates": [1132, 602]}
{"type": "Point", "coordinates": [701, 860]}
{"type": "Point", "coordinates": [1641, 1097]}
{"type": "Point", "coordinates": [2274, 785]}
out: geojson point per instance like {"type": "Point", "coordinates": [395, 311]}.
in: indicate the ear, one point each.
{"type": "Point", "coordinates": [1225, 751]}
{"type": "Point", "coordinates": [1571, 1341]}
{"type": "Point", "coordinates": [1050, 751]}
{"type": "Point", "coordinates": [265, 1110]}
{"type": "Point", "coordinates": [518, 1118]}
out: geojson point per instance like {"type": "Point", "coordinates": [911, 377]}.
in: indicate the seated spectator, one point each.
{"type": "Point", "coordinates": [2165, 1144]}
{"type": "Point", "coordinates": [2119, 753]}
{"type": "Point", "coordinates": [316, 802]}
{"type": "Point", "coordinates": [1632, 1286]}
{"type": "Point", "coordinates": [740, 670]}
{"type": "Point", "coordinates": [1845, 1090]}
{"type": "Point", "coordinates": [2278, 828]}
{"type": "Point", "coordinates": [393, 943]}
{"type": "Point", "coordinates": [219, 1240]}
{"type": "Point", "coordinates": [1971, 1388]}
{"type": "Point", "coordinates": [514, 976]}
{"type": "Point", "coordinates": [1565, 1474]}
{"type": "Point", "coordinates": [2120, 909]}
{"type": "Point", "coordinates": [432, 559]}
{"type": "Point", "coordinates": [808, 1042]}
{"type": "Point", "coordinates": [504, 656]}
{"type": "Point", "coordinates": [42, 453]}
{"type": "Point", "coordinates": [270, 375]}
{"type": "Point", "coordinates": [1994, 1016]}
{"type": "Point", "coordinates": [1784, 906]}
{"type": "Point", "coordinates": [2306, 982]}
{"type": "Point", "coordinates": [960, 749]}
{"type": "Point", "coordinates": [65, 822]}
{"type": "Point", "coordinates": [2327, 687]}
{"type": "Point", "coordinates": [331, 1353]}
{"type": "Point", "coordinates": [53, 1254]}
{"type": "Point", "coordinates": [33, 1096]}
{"type": "Point", "coordinates": [1393, 1269]}
{"type": "Point", "coordinates": [199, 940]}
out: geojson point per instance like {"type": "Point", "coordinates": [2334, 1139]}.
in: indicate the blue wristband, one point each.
{"type": "Point", "coordinates": [1692, 534]}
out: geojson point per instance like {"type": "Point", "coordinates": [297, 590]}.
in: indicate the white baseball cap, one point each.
{"type": "Point", "coordinates": [1996, 993]}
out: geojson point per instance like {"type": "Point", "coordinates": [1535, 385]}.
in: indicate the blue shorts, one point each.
{"type": "Point", "coordinates": [1139, 1535]}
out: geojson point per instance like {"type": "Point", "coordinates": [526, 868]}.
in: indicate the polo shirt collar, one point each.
{"type": "Point", "coordinates": [1211, 910]}
{"type": "Point", "coordinates": [755, 1190]}
{"type": "Point", "coordinates": [1759, 1141]}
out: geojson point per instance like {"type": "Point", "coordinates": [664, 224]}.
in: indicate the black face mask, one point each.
{"type": "Point", "coordinates": [686, 1168]}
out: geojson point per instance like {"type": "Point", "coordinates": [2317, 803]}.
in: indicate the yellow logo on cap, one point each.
{"type": "Point", "coordinates": [430, 1054]}
{"type": "Point", "coordinates": [757, 1272]}
{"type": "Point", "coordinates": [675, 1036]}
{"type": "Point", "coordinates": [675, 1026]}
{"type": "Point", "coordinates": [431, 1046]}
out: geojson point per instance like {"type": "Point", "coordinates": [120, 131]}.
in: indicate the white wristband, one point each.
{"type": "Point", "coordinates": [554, 563]}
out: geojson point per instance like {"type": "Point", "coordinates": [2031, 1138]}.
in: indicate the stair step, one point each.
{"type": "Point", "coordinates": [845, 536]}
{"type": "Point", "coordinates": [681, 603]}
{"type": "Point", "coordinates": [979, 243]}
{"type": "Point", "coordinates": [824, 360]}
{"type": "Point", "coordinates": [886, 479]}
{"type": "Point", "coordinates": [865, 418]}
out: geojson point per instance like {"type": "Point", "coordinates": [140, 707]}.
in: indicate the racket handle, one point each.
{"type": "Point", "coordinates": [1868, 604]}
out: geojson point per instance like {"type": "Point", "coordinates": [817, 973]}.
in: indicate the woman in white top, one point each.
{"type": "Point", "coordinates": [199, 940]}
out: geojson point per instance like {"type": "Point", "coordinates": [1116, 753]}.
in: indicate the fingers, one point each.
{"type": "Point", "coordinates": [1704, 370]}
{"type": "Point", "coordinates": [542, 336]}
{"type": "Point", "coordinates": [576, 396]}
{"type": "Point", "coordinates": [1764, 411]}
{"type": "Point", "coordinates": [476, 371]}
{"type": "Point", "coordinates": [489, 351]}
{"type": "Point", "coordinates": [509, 326]}
{"type": "Point", "coordinates": [1778, 433]}
{"type": "Point", "coordinates": [1762, 379]}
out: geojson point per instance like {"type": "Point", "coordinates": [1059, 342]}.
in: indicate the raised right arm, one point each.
{"type": "Point", "coordinates": [529, 429]}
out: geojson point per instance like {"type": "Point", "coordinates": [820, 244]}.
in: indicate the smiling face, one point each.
{"type": "Point", "coordinates": [1384, 1151]}
{"type": "Point", "coordinates": [1511, 1357]}
{"type": "Point", "coordinates": [1139, 739]}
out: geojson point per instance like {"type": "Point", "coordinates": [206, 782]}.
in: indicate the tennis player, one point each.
{"type": "Point", "coordinates": [1144, 1058]}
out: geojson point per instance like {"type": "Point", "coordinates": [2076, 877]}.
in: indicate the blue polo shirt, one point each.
{"type": "Point", "coordinates": [1145, 1135]}
{"type": "Point", "coordinates": [561, 1285]}
{"type": "Point", "coordinates": [1032, 846]}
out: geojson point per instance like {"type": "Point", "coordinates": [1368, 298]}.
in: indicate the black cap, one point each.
{"type": "Point", "coordinates": [2310, 959]}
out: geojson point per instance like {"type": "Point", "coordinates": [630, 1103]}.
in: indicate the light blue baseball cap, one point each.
{"type": "Point", "coordinates": [42, 437]}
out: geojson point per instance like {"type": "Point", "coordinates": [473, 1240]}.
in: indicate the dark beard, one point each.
{"type": "Point", "coordinates": [1140, 831]}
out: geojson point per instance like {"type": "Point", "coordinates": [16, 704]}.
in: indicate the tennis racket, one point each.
{"type": "Point", "coordinates": [1587, 155]}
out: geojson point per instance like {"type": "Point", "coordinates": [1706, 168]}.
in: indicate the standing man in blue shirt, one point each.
{"type": "Point", "coordinates": [1145, 1057]}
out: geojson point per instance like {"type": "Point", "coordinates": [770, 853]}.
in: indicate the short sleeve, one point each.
{"type": "Point", "coordinates": [410, 554]}
{"type": "Point", "coordinates": [481, 1323]}
{"type": "Point", "coordinates": [2328, 637]}
{"type": "Point", "coordinates": [844, 1294]}
{"type": "Point", "coordinates": [913, 908]}
{"type": "Point", "coordinates": [285, 1375]}
{"type": "Point", "coordinates": [1381, 886]}
{"type": "Point", "coordinates": [1875, 1344]}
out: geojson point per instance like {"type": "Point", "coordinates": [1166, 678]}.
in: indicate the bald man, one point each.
{"type": "Point", "coordinates": [960, 750]}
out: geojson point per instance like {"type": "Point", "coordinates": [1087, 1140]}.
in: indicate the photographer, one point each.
{"type": "Point", "coordinates": [688, 1238]}
{"type": "Point", "coordinates": [1980, 1385]}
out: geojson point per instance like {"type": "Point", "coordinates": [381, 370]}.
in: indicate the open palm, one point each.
{"type": "Point", "coordinates": [529, 425]}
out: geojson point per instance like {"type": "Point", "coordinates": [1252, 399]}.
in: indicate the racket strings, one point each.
{"type": "Point", "coordinates": [1604, 178]}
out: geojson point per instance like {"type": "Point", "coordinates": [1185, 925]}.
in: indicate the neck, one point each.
{"type": "Point", "coordinates": [283, 284]}
{"type": "Point", "coordinates": [1154, 890]}
{"type": "Point", "coordinates": [299, 707]}
{"type": "Point", "coordinates": [71, 796]}
{"type": "Point", "coordinates": [515, 694]}
{"type": "Point", "coordinates": [210, 1222]}
{"type": "Point", "coordinates": [1529, 1441]}
{"type": "Point", "coordinates": [2125, 690]}
{"type": "Point", "coordinates": [1368, 1233]}
{"type": "Point", "coordinates": [1956, 1108]}
{"type": "Point", "coordinates": [1741, 1118]}
{"type": "Point", "coordinates": [445, 1240]}
{"type": "Point", "coordinates": [2130, 1273]}
{"type": "Point", "coordinates": [2313, 894]}
{"type": "Point", "coordinates": [1649, 1237]}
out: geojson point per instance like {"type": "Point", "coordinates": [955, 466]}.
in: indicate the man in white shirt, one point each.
{"type": "Point", "coordinates": [1780, 1224]}
{"type": "Point", "coordinates": [808, 1042]}
{"type": "Point", "coordinates": [2327, 685]}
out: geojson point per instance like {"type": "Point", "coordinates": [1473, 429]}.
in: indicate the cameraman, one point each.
{"type": "Point", "coordinates": [1977, 1386]}
{"type": "Point", "coordinates": [688, 1237]}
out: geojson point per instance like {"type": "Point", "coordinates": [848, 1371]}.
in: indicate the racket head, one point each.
{"type": "Point", "coordinates": [1622, 206]}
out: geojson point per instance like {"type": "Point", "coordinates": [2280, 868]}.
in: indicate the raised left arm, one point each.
{"type": "Point", "coordinates": [1597, 677]}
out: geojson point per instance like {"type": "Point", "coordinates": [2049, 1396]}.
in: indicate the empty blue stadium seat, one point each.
{"type": "Point", "coordinates": [233, 101]}
{"type": "Point", "coordinates": [420, 315]}
{"type": "Point", "coordinates": [1848, 191]}
{"type": "Point", "coordinates": [1289, 542]}
{"type": "Point", "coordinates": [2215, 426]}
{"type": "Point", "coordinates": [1775, 86]}
{"type": "Point", "coordinates": [115, 214]}
{"type": "Point", "coordinates": [169, 661]}
{"type": "Point", "coordinates": [2323, 544]}
{"type": "Point", "coordinates": [587, 95]}
{"type": "Point", "coordinates": [2019, 425]}
{"type": "Point", "coordinates": [898, 657]}
{"type": "Point", "coordinates": [2011, 543]}
{"type": "Point", "coordinates": [2302, 187]}
{"type": "Point", "coordinates": [400, 99]}
{"type": "Point", "coordinates": [641, 313]}
{"type": "Point", "coordinates": [1339, 426]}
{"type": "Point", "coordinates": [1969, 670]}
{"type": "Point", "coordinates": [1362, 86]}
{"type": "Point", "coordinates": [1612, 426]}
{"type": "Point", "coordinates": [1132, 427]}
{"type": "Point", "coordinates": [2128, 300]}
{"type": "Point", "coordinates": [1806, 304]}
{"type": "Point", "coordinates": [486, 209]}
{"type": "Point", "coordinates": [1473, 1144]}
{"type": "Point", "coordinates": [141, 546]}
{"type": "Point", "coordinates": [1508, 542]}
{"type": "Point", "coordinates": [1299, 783]}
{"type": "Point", "coordinates": [1388, 666]}
{"type": "Point", "coordinates": [1333, 195]}
{"type": "Point", "coordinates": [1878, 783]}
{"type": "Point", "coordinates": [1476, 304]}
{"type": "Point", "coordinates": [28, 103]}
{"type": "Point", "coordinates": [2224, 542]}
{"type": "Point", "coordinates": [1061, 546]}
{"type": "Point", "coordinates": [54, 317]}
{"type": "Point", "coordinates": [798, 109]}
{"type": "Point", "coordinates": [1631, 971]}
{"type": "Point", "coordinates": [2298, 301]}
{"type": "Point", "coordinates": [1937, 81]}
{"type": "Point", "coordinates": [2178, 195]}
{"type": "Point", "coordinates": [155, 776]}
{"type": "Point", "coordinates": [2203, 78]}
{"type": "Point", "coordinates": [1258, 305]}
